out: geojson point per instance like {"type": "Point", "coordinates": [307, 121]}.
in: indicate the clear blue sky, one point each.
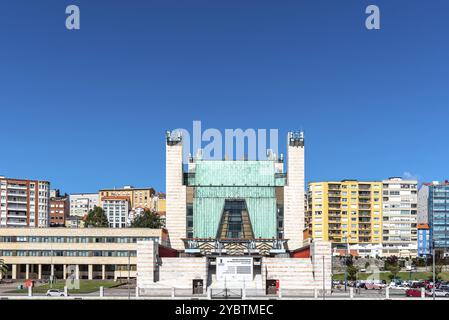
{"type": "Point", "coordinates": [88, 109]}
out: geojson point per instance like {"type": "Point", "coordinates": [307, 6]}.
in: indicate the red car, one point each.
{"type": "Point", "coordinates": [413, 293]}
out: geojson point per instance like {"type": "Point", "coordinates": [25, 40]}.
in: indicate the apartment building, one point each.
{"type": "Point", "coordinates": [399, 202]}
{"type": "Point", "coordinates": [86, 253]}
{"type": "Point", "coordinates": [24, 203]}
{"type": "Point", "coordinates": [59, 211]}
{"type": "Point", "coordinates": [117, 209]}
{"type": "Point", "coordinates": [423, 240]}
{"type": "Point", "coordinates": [438, 215]}
{"type": "Point", "coordinates": [139, 197]}
{"type": "Point", "coordinates": [423, 203]}
{"type": "Point", "coordinates": [82, 203]}
{"type": "Point", "coordinates": [346, 212]}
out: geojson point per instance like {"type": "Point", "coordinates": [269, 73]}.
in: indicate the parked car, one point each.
{"type": "Point", "coordinates": [373, 286]}
{"type": "Point", "coordinates": [443, 288]}
{"type": "Point", "coordinates": [398, 286]}
{"type": "Point", "coordinates": [438, 293]}
{"type": "Point", "coordinates": [55, 293]}
{"type": "Point", "coordinates": [413, 293]}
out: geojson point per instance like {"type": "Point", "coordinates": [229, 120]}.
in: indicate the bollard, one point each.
{"type": "Point", "coordinates": [209, 293]}
{"type": "Point", "coordinates": [66, 294]}
{"type": "Point", "coordinates": [387, 293]}
{"type": "Point", "coordinates": [172, 292]}
{"type": "Point", "coordinates": [280, 293]}
{"type": "Point", "coordinates": [351, 293]}
{"type": "Point", "coordinates": [244, 294]}
{"type": "Point", "coordinates": [101, 292]}
{"type": "Point", "coordinates": [137, 292]}
{"type": "Point", "coordinates": [30, 291]}
{"type": "Point", "coordinates": [315, 293]}
{"type": "Point", "coordinates": [423, 293]}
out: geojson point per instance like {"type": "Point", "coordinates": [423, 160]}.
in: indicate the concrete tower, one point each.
{"type": "Point", "coordinates": [176, 191]}
{"type": "Point", "coordinates": [294, 191]}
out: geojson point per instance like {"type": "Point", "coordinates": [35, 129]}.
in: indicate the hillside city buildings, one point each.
{"type": "Point", "coordinates": [219, 214]}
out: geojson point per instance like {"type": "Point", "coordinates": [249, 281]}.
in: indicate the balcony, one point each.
{"type": "Point", "coordinates": [17, 207]}
{"type": "Point", "coordinates": [17, 193]}
{"type": "Point", "coordinates": [334, 194]}
{"type": "Point", "coordinates": [17, 200]}
{"type": "Point", "coordinates": [17, 215]}
{"type": "Point", "coordinates": [16, 223]}
{"type": "Point", "coordinates": [364, 187]}
{"type": "Point", "coordinates": [17, 186]}
{"type": "Point", "coordinates": [364, 194]}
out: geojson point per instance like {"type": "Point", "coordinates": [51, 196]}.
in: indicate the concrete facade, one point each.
{"type": "Point", "coordinates": [82, 203]}
{"type": "Point", "coordinates": [88, 252]}
{"type": "Point", "coordinates": [176, 192]}
{"type": "Point", "coordinates": [294, 223]}
{"type": "Point", "coordinates": [400, 207]}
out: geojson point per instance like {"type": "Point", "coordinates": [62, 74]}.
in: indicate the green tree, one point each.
{"type": "Point", "coordinates": [352, 272]}
{"type": "Point", "coordinates": [3, 267]}
{"type": "Point", "coordinates": [96, 218]}
{"type": "Point", "coordinates": [147, 219]}
{"type": "Point", "coordinates": [392, 265]}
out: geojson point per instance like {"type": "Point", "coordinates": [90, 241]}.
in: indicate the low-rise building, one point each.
{"type": "Point", "coordinates": [82, 203]}
{"type": "Point", "coordinates": [138, 197]}
{"type": "Point", "coordinates": [59, 211]}
{"type": "Point", "coordinates": [88, 253]}
{"type": "Point", "coordinates": [74, 222]}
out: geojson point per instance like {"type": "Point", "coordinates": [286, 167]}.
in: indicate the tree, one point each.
{"type": "Point", "coordinates": [392, 265]}
{"type": "Point", "coordinates": [147, 219]}
{"type": "Point", "coordinates": [352, 272]}
{"type": "Point", "coordinates": [96, 218]}
{"type": "Point", "coordinates": [3, 267]}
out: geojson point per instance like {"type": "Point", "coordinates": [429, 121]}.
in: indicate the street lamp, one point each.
{"type": "Point", "coordinates": [346, 263]}
{"type": "Point", "coordinates": [433, 268]}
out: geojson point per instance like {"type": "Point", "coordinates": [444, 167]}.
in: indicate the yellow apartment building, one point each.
{"type": "Point", "coordinates": [139, 197]}
{"type": "Point", "coordinates": [348, 211]}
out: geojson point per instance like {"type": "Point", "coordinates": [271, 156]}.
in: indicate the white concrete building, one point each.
{"type": "Point", "coordinates": [24, 203]}
{"type": "Point", "coordinates": [85, 253]}
{"type": "Point", "coordinates": [117, 210]}
{"type": "Point", "coordinates": [82, 203]}
{"type": "Point", "coordinates": [400, 208]}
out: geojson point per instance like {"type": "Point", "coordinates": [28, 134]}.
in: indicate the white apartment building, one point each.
{"type": "Point", "coordinates": [400, 206]}
{"type": "Point", "coordinates": [24, 203]}
{"type": "Point", "coordinates": [82, 203]}
{"type": "Point", "coordinates": [117, 210]}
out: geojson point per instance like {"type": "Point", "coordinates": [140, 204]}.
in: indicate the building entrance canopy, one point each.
{"type": "Point", "coordinates": [264, 247]}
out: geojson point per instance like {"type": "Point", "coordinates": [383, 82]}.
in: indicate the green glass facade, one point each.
{"type": "Point", "coordinates": [251, 181]}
